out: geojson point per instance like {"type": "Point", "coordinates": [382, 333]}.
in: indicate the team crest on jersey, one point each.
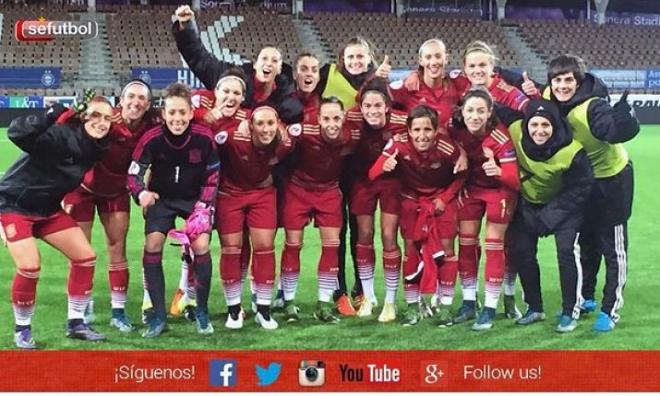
{"type": "Point", "coordinates": [435, 165]}
{"type": "Point", "coordinates": [195, 156]}
{"type": "Point", "coordinates": [134, 169]}
{"type": "Point", "coordinates": [295, 130]}
{"type": "Point", "coordinates": [10, 231]}
{"type": "Point", "coordinates": [196, 100]}
{"type": "Point", "coordinates": [221, 137]}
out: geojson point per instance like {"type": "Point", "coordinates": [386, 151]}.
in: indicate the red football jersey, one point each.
{"type": "Point", "coordinates": [372, 142]}
{"type": "Point", "coordinates": [442, 99]}
{"type": "Point", "coordinates": [502, 92]}
{"type": "Point", "coordinates": [497, 140]}
{"type": "Point", "coordinates": [311, 105]}
{"type": "Point", "coordinates": [430, 173]}
{"type": "Point", "coordinates": [318, 163]}
{"type": "Point", "coordinates": [108, 177]}
{"type": "Point", "coordinates": [245, 166]}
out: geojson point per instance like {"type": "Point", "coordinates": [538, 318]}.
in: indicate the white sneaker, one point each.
{"type": "Point", "coordinates": [388, 313]}
{"type": "Point", "coordinates": [366, 308]}
{"type": "Point", "coordinates": [237, 323]}
{"type": "Point", "coordinates": [266, 324]}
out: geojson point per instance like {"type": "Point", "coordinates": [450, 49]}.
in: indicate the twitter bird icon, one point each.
{"type": "Point", "coordinates": [268, 376]}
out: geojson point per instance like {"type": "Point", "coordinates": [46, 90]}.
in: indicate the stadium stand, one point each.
{"type": "Point", "coordinates": [64, 52]}
{"type": "Point", "coordinates": [596, 43]}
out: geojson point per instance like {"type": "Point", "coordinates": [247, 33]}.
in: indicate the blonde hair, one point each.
{"type": "Point", "coordinates": [480, 46]}
{"type": "Point", "coordinates": [431, 41]}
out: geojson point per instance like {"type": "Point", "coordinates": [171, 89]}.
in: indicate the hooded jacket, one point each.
{"type": "Point", "coordinates": [54, 161]}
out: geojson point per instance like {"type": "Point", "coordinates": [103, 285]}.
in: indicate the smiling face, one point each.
{"type": "Point", "coordinates": [229, 96]}
{"type": "Point", "coordinates": [374, 109]}
{"type": "Point", "coordinates": [307, 74]}
{"type": "Point", "coordinates": [134, 102]}
{"type": "Point", "coordinates": [264, 126]}
{"type": "Point", "coordinates": [97, 119]}
{"type": "Point", "coordinates": [564, 86]}
{"type": "Point", "coordinates": [268, 65]}
{"type": "Point", "coordinates": [540, 129]}
{"type": "Point", "coordinates": [422, 133]}
{"type": "Point", "coordinates": [476, 114]}
{"type": "Point", "coordinates": [432, 59]}
{"type": "Point", "coordinates": [331, 118]}
{"type": "Point", "coordinates": [478, 68]}
{"type": "Point", "coordinates": [356, 59]}
{"type": "Point", "coordinates": [177, 114]}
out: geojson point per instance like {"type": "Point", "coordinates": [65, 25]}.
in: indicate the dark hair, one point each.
{"type": "Point", "coordinates": [178, 90]}
{"type": "Point", "coordinates": [422, 111]}
{"type": "Point", "coordinates": [303, 55]}
{"type": "Point", "coordinates": [567, 63]}
{"type": "Point", "coordinates": [234, 72]}
{"type": "Point", "coordinates": [332, 100]}
{"type": "Point", "coordinates": [357, 40]}
{"type": "Point", "coordinates": [379, 85]}
{"type": "Point", "coordinates": [476, 92]}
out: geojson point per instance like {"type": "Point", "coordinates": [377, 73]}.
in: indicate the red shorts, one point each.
{"type": "Point", "coordinates": [257, 208]}
{"type": "Point", "coordinates": [300, 205]}
{"type": "Point", "coordinates": [445, 224]}
{"type": "Point", "coordinates": [18, 226]}
{"type": "Point", "coordinates": [83, 203]}
{"type": "Point", "coordinates": [365, 194]}
{"type": "Point", "coordinates": [498, 204]}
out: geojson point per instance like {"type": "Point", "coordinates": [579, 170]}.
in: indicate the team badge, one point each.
{"type": "Point", "coordinates": [134, 169]}
{"type": "Point", "coordinates": [294, 130]}
{"type": "Point", "coordinates": [221, 137]}
{"type": "Point", "coordinates": [435, 165]}
{"type": "Point", "coordinates": [196, 99]}
{"type": "Point", "coordinates": [10, 231]}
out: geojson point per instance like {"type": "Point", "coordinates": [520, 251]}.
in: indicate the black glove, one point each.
{"type": "Point", "coordinates": [624, 115]}
{"type": "Point", "coordinates": [54, 111]}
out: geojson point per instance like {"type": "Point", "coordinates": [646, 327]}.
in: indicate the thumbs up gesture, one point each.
{"type": "Point", "coordinates": [390, 162]}
{"type": "Point", "coordinates": [490, 167]}
{"type": "Point", "coordinates": [184, 14]}
{"type": "Point", "coordinates": [385, 68]}
{"type": "Point", "coordinates": [528, 86]}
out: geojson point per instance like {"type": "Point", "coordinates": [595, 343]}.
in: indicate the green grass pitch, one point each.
{"type": "Point", "coordinates": [637, 329]}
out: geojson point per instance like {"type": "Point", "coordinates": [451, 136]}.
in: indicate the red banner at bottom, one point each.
{"type": "Point", "coordinates": [394, 371]}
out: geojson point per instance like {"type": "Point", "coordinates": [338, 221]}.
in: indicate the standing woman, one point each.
{"type": "Point", "coordinates": [104, 188]}
{"type": "Point", "coordinates": [247, 198]}
{"type": "Point", "coordinates": [376, 123]}
{"type": "Point", "coordinates": [491, 190]}
{"type": "Point", "coordinates": [56, 157]}
{"type": "Point", "coordinates": [343, 80]}
{"type": "Point", "coordinates": [184, 167]}
{"type": "Point", "coordinates": [479, 63]}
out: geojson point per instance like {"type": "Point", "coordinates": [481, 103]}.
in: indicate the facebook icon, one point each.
{"type": "Point", "coordinates": [222, 373]}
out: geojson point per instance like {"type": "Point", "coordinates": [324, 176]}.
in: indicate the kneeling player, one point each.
{"type": "Point", "coordinates": [426, 160]}
{"type": "Point", "coordinates": [55, 160]}
{"type": "Point", "coordinates": [184, 179]}
{"type": "Point", "coordinates": [313, 191]}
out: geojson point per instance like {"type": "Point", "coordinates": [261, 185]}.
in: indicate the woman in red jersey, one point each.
{"type": "Point", "coordinates": [491, 191]}
{"type": "Point", "coordinates": [377, 123]}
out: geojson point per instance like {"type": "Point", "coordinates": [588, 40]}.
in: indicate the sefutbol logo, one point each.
{"type": "Point", "coordinates": [295, 130]}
